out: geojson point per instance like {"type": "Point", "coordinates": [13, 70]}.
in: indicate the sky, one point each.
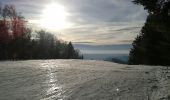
{"type": "Point", "coordinates": [85, 21]}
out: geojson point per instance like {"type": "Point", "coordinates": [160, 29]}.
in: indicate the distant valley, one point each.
{"type": "Point", "coordinates": [114, 53]}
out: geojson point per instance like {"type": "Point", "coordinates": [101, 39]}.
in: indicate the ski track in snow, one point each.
{"type": "Point", "coordinates": [81, 80]}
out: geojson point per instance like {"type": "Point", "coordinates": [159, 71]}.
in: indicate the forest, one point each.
{"type": "Point", "coordinates": [152, 45]}
{"type": "Point", "coordinates": [17, 41]}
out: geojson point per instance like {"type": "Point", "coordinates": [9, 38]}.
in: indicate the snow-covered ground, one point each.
{"type": "Point", "coordinates": [81, 80]}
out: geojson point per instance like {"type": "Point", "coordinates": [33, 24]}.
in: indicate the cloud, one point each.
{"type": "Point", "coordinates": [94, 21]}
{"type": "Point", "coordinates": [87, 11]}
{"type": "Point", "coordinates": [105, 33]}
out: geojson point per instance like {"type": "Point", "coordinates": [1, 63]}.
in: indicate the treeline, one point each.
{"type": "Point", "coordinates": [18, 43]}
{"type": "Point", "coordinates": [152, 45]}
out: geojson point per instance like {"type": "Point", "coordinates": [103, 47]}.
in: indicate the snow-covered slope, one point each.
{"type": "Point", "coordinates": [81, 80]}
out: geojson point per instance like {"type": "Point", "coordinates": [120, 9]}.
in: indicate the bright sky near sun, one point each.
{"type": "Point", "coordinates": [85, 21]}
{"type": "Point", "coordinates": [54, 17]}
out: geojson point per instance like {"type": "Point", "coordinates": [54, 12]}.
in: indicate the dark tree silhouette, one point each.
{"type": "Point", "coordinates": [16, 41]}
{"type": "Point", "coordinates": [70, 51]}
{"type": "Point", "coordinates": [152, 46]}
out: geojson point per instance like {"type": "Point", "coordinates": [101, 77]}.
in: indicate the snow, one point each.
{"type": "Point", "coordinates": [81, 80]}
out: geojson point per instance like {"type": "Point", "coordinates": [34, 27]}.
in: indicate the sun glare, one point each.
{"type": "Point", "coordinates": [54, 17]}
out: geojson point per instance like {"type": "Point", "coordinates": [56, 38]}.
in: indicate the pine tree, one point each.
{"type": "Point", "coordinates": [152, 46]}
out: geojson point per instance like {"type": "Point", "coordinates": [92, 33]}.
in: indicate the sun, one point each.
{"type": "Point", "coordinates": [54, 17]}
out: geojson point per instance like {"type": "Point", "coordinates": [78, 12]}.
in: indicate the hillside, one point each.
{"type": "Point", "coordinates": [81, 80]}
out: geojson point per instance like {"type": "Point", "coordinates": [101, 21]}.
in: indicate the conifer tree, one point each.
{"type": "Point", "coordinates": [152, 45]}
